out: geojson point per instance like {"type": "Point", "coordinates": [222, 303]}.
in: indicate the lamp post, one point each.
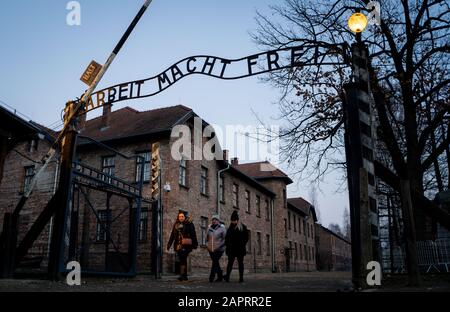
{"type": "Point", "coordinates": [360, 152]}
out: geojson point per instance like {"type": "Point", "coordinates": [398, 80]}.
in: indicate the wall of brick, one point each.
{"type": "Point", "coordinates": [302, 258]}
{"type": "Point", "coordinates": [12, 186]}
{"type": "Point", "coordinates": [334, 253]}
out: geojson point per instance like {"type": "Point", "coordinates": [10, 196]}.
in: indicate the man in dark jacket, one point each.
{"type": "Point", "coordinates": [235, 241]}
{"type": "Point", "coordinates": [184, 239]}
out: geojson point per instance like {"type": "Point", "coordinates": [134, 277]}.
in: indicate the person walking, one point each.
{"type": "Point", "coordinates": [235, 243]}
{"type": "Point", "coordinates": [184, 239]}
{"type": "Point", "coordinates": [215, 239]}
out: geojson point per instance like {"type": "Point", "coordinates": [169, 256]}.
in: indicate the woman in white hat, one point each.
{"type": "Point", "coordinates": [216, 246]}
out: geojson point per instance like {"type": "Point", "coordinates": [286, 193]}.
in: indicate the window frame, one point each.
{"type": "Point", "coordinates": [235, 195]}
{"type": "Point", "coordinates": [247, 201]}
{"type": "Point", "coordinates": [146, 162]}
{"type": "Point", "coordinates": [28, 177]}
{"type": "Point", "coordinates": [204, 180]}
{"type": "Point", "coordinates": [182, 172]}
{"type": "Point", "coordinates": [258, 206]}
{"type": "Point", "coordinates": [203, 230]}
{"type": "Point", "coordinates": [108, 168]}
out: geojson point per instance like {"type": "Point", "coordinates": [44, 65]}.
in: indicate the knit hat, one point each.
{"type": "Point", "coordinates": [234, 216]}
{"type": "Point", "coordinates": [215, 216]}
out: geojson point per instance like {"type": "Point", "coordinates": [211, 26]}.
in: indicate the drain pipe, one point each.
{"type": "Point", "coordinates": [273, 235]}
{"type": "Point", "coordinates": [218, 187]}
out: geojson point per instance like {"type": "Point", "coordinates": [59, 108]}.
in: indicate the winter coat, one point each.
{"type": "Point", "coordinates": [182, 230]}
{"type": "Point", "coordinates": [216, 238]}
{"type": "Point", "coordinates": [236, 239]}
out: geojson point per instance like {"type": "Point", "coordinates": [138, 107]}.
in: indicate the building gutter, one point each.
{"type": "Point", "coordinates": [218, 186]}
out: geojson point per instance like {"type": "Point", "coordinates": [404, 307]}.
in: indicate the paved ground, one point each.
{"type": "Point", "coordinates": [261, 282]}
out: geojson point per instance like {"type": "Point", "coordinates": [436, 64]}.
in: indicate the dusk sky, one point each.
{"type": "Point", "coordinates": [43, 59]}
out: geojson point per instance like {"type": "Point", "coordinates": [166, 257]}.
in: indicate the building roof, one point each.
{"type": "Point", "coordinates": [128, 122]}
{"type": "Point", "coordinates": [17, 128]}
{"type": "Point", "coordinates": [303, 206]}
{"type": "Point", "coordinates": [262, 171]}
{"type": "Point", "coordinates": [250, 180]}
{"type": "Point", "coordinates": [333, 233]}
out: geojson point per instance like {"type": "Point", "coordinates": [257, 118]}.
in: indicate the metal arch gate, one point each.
{"type": "Point", "coordinates": [103, 235]}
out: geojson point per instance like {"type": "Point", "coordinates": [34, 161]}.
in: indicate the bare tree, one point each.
{"type": "Point", "coordinates": [410, 80]}
{"type": "Point", "coordinates": [335, 228]}
{"type": "Point", "coordinates": [346, 224]}
{"type": "Point", "coordinates": [313, 200]}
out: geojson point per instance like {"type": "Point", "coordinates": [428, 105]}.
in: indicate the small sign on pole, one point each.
{"type": "Point", "coordinates": [91, 72]}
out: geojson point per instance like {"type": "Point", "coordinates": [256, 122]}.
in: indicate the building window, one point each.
{"type": "Point", "coordinates": [301, 252]}
{"type": "Point", "coordinates": [258, 243]}
{"type": "Point", "coordinates": [258, 206]}
{"type": "Point", "coordinates": [222, 188]}
{"type": "Point", "coordinates": [307, 228]}
{"type": "Point", "coordinates": [146, 161]}
{"type": "Point", "coordinates": [305, 252]}
{"type": "Point", "coordinates": [235, 195]}
{"type": "Point", "coordinates": [143, 225]}
{"type": "Point", "coordinates": [284, 198]}
{"type": "Point", "coordinates": [249, 244]}
{"type": "Point", "coordinates": [247, 201]}
{"type": "Point", "coordinates": [101, 225]}
{"type": "Point", "coordinates": [290, 250]}
{"type": "Point", "coordinates": [267, 245]}
{"type": "Point", "coordinates": [289, 220]}
{"type": "Point", "coordinates": [295, 223]}
{"type": "Point", "coordinates": [183, 171]}
{"type": "Point", "coordinates": [29, 174]}
{"type": "Point", "coordinates": [267, 210]}
{"type": "Point", "coordinates": [312, 248]}
{"type": "Point", "coordinates": [204, 181]}
{"type": "Point", "coordinates": [108, 166]}
{"type": "Point", "coordinates": [203, 229]}
{"type": "Point", "coordinates": [296, 251]}
{"type": "Point", "coordinates": [299, 225]}
{"type": "Point", "coordinates": [285, 228]}
{"type": "Point", "coordinates": [304, 227]}
{"type": "Point", "coordinates": [312, 231]}
{"type": "Point", "coordinates": [33, 145]}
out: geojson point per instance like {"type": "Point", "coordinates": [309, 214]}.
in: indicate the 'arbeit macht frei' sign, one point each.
{"type": "Point", "coordinates": [204, 65]}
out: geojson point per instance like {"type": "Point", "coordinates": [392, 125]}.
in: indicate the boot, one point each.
{"type": "Point", "coordinates": [183, 273]}
{"type": "Point", "coordinates": [219, 276]}
{"type": "Point", "coordinates": [211, 277]}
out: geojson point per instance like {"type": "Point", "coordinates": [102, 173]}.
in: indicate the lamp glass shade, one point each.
{"type": "Point", "coordinates": [357, 22]}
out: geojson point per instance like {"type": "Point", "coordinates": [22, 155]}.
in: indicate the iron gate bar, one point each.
{"type": "Point", "coordinates": [127, 190]}
{"type": "Point", "coordinates": [86, 197]}
{"type": "Point", "coordinates": [99, 188]}
{"type": "Point", "coordinates": [126, 187]}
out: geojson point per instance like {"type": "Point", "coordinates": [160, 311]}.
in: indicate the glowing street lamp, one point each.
{"type": "Point", "coordinates": [357, 22]}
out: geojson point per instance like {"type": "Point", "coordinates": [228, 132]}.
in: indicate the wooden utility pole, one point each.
{"type": "Point", "coordinates": [56, 258]}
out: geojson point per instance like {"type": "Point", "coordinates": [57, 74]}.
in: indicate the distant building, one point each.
{"type": "Point", "coordinates": [333, 251]}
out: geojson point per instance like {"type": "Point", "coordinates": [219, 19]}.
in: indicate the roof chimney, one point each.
{"type": "Point", "coordinates": [225, 155]}
{"type": "Point", "coordinates": [235, 161]}
{"type": "Point", "coordinates": [106, 116]}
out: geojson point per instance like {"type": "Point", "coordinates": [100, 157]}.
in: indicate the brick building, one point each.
{"type": "Point", "coordinates": [333, 251]}
{"type": "Point", "coordinates": [256, 190]}
{"type": "Point", "coordinates": [24, 143]}
{"type": "Point", "coordinates": [299, 234]}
